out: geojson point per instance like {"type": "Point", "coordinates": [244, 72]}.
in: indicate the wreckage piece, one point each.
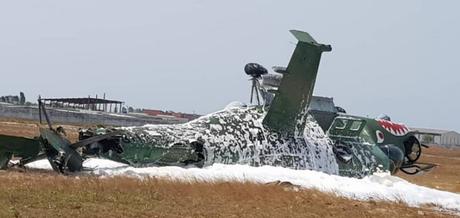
{"type": "Point", "coordinates": [25, 149]}
{"type": "Point", "coordinates": [59, 152]}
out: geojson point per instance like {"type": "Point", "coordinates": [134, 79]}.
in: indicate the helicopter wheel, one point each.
{"type": "Point", "coordinates": [413, 150]}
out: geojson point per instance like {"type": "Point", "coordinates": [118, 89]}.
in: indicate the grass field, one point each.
{"type": "Point", "coordinates": [46, 194]}
{"type": "Point", "coordinates": [38, 194]}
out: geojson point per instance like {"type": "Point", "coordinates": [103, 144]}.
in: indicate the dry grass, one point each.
{"type": "Point", "coordinates": [29, 129]}
{"type": "Point", "coordinates": [36, 194]}
{"type": "Point", "coordinates": [446, 176]}
{"type": "Point", "coordinates": [46, 194]}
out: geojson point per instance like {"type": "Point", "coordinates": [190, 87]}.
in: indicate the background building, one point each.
{"type": "Point", "coordinates": [437, 136]}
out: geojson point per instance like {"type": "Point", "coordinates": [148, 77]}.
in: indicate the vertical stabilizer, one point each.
{"type": "Point", "coordinates": [288, 111]}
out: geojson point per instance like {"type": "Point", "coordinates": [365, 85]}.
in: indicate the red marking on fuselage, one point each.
{"type": "Point", "coordinates": [394, 128]}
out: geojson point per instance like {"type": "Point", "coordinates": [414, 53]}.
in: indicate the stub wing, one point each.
{"type": "Point", "coordinates": [288, 111]}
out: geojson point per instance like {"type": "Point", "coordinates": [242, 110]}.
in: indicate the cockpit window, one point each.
{"type": "Point", "coordinates": [341, 124]}
{"type": "Point", "coordinates": [356, 125]}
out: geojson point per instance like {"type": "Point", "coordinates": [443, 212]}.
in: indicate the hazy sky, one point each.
{"type": "Point", "coordinates": [394, 57]}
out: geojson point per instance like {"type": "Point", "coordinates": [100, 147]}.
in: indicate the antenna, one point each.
{"type": "Point", "coordinates": [255, 71]}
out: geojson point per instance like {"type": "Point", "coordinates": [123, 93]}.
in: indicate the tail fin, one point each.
{"type": "Point", "coordinates": [288, 111]}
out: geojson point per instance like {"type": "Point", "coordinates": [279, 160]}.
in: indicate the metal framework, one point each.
{"type": "Point", "coordinates": [94, 104]}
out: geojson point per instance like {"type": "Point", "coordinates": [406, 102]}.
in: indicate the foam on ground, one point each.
{"type": "Point", "coordinates": [378, 186]}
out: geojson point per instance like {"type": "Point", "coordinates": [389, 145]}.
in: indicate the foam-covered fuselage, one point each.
{"type": "Point", "coordinates": [235, 135]}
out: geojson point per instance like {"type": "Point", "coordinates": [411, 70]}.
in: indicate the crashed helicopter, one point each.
{"type": "Point", "coordinates": [279, 132]}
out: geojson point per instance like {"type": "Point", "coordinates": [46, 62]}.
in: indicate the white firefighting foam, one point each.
{"type": "Point", "coordinates": [377, 186]}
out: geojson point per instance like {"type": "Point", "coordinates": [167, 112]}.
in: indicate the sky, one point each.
{"type": "Point", "coordinates": [394, 57]}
